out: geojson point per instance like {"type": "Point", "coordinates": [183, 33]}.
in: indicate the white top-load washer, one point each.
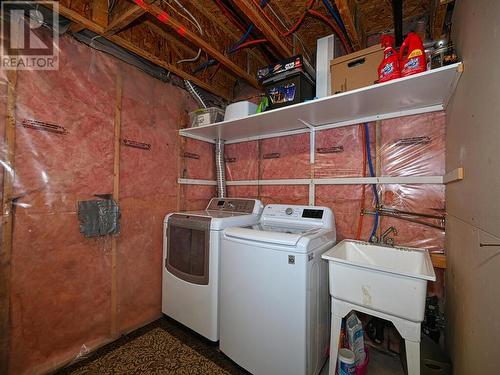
{"type": "Point", "coordinates": [274, 303]}
{"type": "Point", "coordinates": [191, 246]}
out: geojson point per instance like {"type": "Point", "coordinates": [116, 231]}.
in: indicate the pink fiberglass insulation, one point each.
{"type": "Point", "coordinates": [285, 194]}
{"type": "Point", "coordinates": [414, 145]}
{"type": "Point", "coordinates": [285, 157]}
{"type": "Point", "coordinates": [242, 161]}
{"type": "Point", "coordinates": [338, 153]}
{"type": "Point", "coordinates": [197, 197]}
{"type": "Point", "coordinates": [148, 190]}
{"type": "Point", "coordinates": [60, 280]}
{"type": "Point", "coordinates": [60, 297]}
{"type": "Point", "coordinates": [198, 160]}
{"type": "Point", "coordinates": [344, 200]}
{"type": "Point", "coordinates": [407, 146]}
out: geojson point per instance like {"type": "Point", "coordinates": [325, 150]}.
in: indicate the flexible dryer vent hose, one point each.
{"type": "Point", "coordinates": [220, 168]}
{"type": "Point", "coordinates": [194, 93]}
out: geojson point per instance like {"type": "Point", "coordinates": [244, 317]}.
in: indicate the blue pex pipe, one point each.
{"type": "Point", "coordinates": [335, 15]}
{"type": "Point", "coordinates": [235, 46]}
{"type": "Point", "coordinates": [372, 174]}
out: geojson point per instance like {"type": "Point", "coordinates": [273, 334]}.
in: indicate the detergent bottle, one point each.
{"type": "Point", "coordinates": [412, 55]}
{"type": "Point", "coordinates": [389, 67]}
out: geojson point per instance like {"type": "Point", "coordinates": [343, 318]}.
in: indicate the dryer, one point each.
{"type": "Point", "coordinates": [274, 300]}
{"type": "Point", "coordinates": [191, 246]}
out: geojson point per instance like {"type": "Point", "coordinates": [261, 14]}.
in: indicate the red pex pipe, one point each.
{"type": "Point", "coordinates": [251, 43]}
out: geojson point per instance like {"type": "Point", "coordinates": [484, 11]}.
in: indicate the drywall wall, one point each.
{"type": "Point", "coordinates": [70, 294]}
{"type": "Point", "coordinates": [472, 141]}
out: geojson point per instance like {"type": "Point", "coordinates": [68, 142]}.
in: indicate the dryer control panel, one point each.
{"type": "Point", "coordinates": [240, 205]}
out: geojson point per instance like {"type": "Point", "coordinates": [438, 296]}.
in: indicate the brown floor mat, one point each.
{"type": "Point", "coordinates": [162, 347]}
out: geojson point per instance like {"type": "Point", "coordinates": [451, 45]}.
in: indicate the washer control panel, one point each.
{"type": "Point", "coordinates": [297, 214]}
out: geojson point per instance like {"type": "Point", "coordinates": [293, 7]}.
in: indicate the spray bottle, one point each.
{"type": "Point", "coordinates": [412, 55]}
{"type": "Point", "coordinates": [389, 67]}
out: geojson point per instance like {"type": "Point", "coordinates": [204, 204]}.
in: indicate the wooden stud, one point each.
{"type": "Point", "coordinates": [116, 197]}
{"type": "Point", "coordinates": [277, 41]}
{"type": "Point", "coordinates": [438, 260]}
{"type": "Point", "coordinates": [7, 220]}
{"type": "Point", "coordinates": [454, 175]}
{"type": "Point", "coordinates": [346, 9]}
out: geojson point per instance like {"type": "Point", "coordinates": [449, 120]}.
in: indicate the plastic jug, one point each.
{"type": "Point", "coordinates": [412, 55]}
{"type": "Point", "coordinates": [389, 67]}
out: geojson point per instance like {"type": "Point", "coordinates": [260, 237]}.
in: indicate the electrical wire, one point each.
{"type": "Point", "coordinates": [374, 187]}
{"type": "Point", "coordinates": [234, 47]}
{"type": "Point", "coordinates": [304, 49]}
{"type": "Point", "coordinates": [191, 19]}
{"type": "Point", "coordinates": [190, 15]}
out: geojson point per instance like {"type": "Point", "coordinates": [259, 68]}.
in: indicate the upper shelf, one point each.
{"type": "Point", "coordinates": [425, 92]}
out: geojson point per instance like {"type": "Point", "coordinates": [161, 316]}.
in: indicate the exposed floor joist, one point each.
{"type": "Point", "coordinates": [348, 17]}
{"type": "Point", "coordinates": [276, 41]}
{"type": "Point", "coordinates": [178, 27]}
{"type": "Point", "coordinates": [125, 18]}
{"type": "Point", "coordinates": [78, 18]}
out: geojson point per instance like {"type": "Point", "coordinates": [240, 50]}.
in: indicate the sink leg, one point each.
{"type": "Point", "coordinates": [334, 342]}
{"type": "Point", "coordinates": [413, 357]}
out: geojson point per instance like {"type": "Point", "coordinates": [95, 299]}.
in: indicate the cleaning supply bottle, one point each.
{"type": "Point", "coordinates": [412, 55]}
{"type": "Point", "coordinates": [389, 67]}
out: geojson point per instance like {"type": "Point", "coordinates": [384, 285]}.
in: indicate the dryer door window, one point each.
{"type": "Point", "coordinates": [188, 248]}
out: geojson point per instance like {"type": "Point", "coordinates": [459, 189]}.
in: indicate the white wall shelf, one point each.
{"type": "Point", "coordinates": [429, 91]}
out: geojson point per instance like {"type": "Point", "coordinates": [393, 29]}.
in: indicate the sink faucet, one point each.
{"type": "Point", "coordinates": [388, 240]}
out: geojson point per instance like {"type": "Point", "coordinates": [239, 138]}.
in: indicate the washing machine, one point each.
{"type": "Point", "coordinates": [274, 302]}
{"type": "Point", "coordinates": [191, 247]}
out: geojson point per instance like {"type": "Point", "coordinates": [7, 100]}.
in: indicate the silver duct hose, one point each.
{"type": "Point", "coordinates": [194, 93]}
{"type": "Point", "coordinates": [220, 168]}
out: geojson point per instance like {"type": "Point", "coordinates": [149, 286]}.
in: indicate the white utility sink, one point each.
{"type": "Point", "coordinates": [391, 280]}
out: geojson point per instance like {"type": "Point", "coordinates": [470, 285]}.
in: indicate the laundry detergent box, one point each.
{"type": "Point", "coordinates": [355, 336]}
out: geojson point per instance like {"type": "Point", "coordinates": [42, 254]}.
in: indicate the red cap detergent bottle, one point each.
{"type": "Point", "coordinates": [389, 67]}
{"type": "Point", "coordinates": [412, 55]}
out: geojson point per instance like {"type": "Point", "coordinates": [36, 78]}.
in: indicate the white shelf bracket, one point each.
{"type": "Point", "coordinates": [312, 140]}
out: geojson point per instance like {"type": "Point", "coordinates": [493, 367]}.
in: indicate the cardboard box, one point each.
{"type": "Point", "coordinates": [356, 70]}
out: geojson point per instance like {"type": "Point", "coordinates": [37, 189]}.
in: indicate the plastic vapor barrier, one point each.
{"type": "Point", "coordinates": [70, 293]}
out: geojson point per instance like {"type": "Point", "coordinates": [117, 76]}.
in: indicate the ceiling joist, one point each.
{"type": "Point", "coordinates": [347, 10]}
{"type": "Point", "coordinates": [254, 15]}
{"type": "Point", "coordinates": [76, 17]}
{"type": "Point", "coordinates": [125, 18]}
{"type": "Point", "coordinates": [190, 36]}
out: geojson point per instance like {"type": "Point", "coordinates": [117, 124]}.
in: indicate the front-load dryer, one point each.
{"type": "Point", "coordinates": [191, 247]}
